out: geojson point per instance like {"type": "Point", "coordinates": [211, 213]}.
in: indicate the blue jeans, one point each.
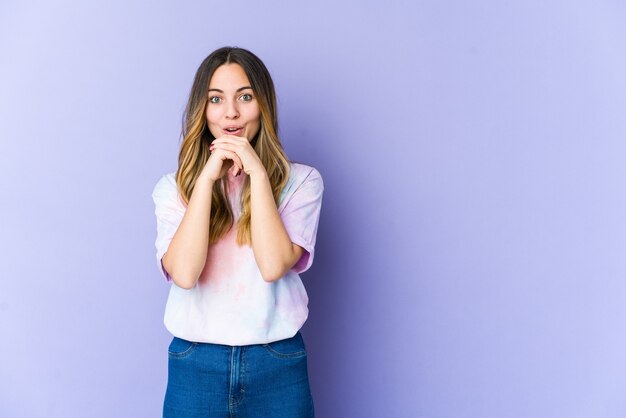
{"type": "Point", "coordinates": [260, 380]}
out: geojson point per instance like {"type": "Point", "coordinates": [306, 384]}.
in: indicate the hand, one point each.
{"type": "Point", "coordinates": [220, 161]}
{"type": "Point", "coordinates": [240, 146]}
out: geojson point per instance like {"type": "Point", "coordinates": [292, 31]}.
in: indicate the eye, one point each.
{"type": "Point", "coordinates": [246, 97]}
{"type": "Point", "coordinates": [214, 99]}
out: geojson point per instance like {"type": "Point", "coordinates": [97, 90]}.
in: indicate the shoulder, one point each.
{"type": "Point", "coordinates": [304, 183]}
{"type": "Point", "coordinates": [165, 186]}
{"type": "Point", "coordinates": [300, 174]}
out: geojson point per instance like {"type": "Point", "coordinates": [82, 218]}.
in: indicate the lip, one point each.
{"type": "Point", "coordinates": [237, 132]}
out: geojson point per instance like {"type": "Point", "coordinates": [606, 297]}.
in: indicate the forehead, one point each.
{"type": "Point", "coordinates": [229, 76]}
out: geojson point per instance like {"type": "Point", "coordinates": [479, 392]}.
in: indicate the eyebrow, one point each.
{"type": "Point", "coordinates": [238, 90]}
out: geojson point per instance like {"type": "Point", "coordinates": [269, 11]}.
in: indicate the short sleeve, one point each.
{"type": "Point", "coordinates": [300, 214]}
{"type": "Point", "coordinates": [169, 211]}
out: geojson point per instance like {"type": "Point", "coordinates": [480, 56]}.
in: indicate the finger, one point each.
{"type": "Point", "coordinates": [230, 155]}
{"type": "Point", "coordinates": [238, 163]}
{"type": "Point", "coordinates": [226, 146]}
{"type": "Point", "coordinates": [230, 139]}
{"type": "Point", "coordinates": [235, 170]}
{"type": "Point", "coordinates": [224, 154]}
{"type": "Point", "coordinates": [229, 150]}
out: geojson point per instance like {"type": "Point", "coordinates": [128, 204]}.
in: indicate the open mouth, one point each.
{"type": "Point", "coordinates": [234, 130]}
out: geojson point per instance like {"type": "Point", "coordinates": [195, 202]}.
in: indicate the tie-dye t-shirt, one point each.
{"type": "Point", "coordinates": [231, 303]}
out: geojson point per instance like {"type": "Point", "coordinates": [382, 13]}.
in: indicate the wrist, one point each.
{"type": "Point", "coordinates": [259, 176]}
{"type": "Point", "coordinates": [205, 180]}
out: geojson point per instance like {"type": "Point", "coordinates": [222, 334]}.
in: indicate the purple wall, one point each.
{"type": "Point", "coordinates": [471, 251]}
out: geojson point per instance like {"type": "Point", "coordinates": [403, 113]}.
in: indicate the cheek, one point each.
{"type": "Point", "coordinates": [212, 118]}
{"type": "Point", "coordinates": [211, 115]}
{"type": "Point", "coordinates": [255, 115]}
{"type": "Point", "coordinates": [257, 124]}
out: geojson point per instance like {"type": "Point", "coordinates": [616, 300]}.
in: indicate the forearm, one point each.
{"type": "Point", "coordinates": [186, 255]}
{"type": "Point", "coordinates": [272, 247]}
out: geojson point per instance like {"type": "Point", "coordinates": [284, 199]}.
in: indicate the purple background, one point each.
{"type": "Point", "coordinates": [470, 258]}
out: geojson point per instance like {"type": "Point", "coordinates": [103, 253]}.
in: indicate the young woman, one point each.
{"type": "Point", "coordinates": [236, 224]}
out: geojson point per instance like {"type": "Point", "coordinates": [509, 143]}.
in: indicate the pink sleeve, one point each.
{"type": "Point", "coordinates": [300, 215]}
{"type": "Point", "coordinates": [169, 211]}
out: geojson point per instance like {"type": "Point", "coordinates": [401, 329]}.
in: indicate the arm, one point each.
{"type": "Point", "coordinates": [273, 250]}
{"type": "Point", "coordinates": [186, 255]}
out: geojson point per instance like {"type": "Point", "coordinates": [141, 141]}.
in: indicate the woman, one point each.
{"type": "Point", "coordinates": [236, 224]}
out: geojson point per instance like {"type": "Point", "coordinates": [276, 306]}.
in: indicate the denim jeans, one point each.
{"type": "Point", "coordinates": [261, 380]}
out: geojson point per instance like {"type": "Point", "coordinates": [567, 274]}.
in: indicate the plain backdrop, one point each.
{"type": "Point", "coordinates": [470, 259]}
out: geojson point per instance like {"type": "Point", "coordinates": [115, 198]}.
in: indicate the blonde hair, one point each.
{"type": "Point", "coordinates": [196, 139]}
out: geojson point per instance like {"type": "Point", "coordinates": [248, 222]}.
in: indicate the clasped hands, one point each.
{"type": "Point", "coordinates": [234, 154]}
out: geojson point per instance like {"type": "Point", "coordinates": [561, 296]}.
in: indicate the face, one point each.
{"type": "Point", "coordinates": [232, 108]}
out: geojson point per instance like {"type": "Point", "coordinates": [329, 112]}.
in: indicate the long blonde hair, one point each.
{"type": "Point", "coordinates": [196, 139]}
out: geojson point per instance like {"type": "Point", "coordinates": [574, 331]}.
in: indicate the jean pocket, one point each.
{"type": "Point", "coordinates": [287, 349]}
{"type": "Point", "coordinates": [180, 348]}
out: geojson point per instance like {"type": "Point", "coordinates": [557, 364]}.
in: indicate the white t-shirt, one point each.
{"type": "Point", "coordinates": [231, 303]}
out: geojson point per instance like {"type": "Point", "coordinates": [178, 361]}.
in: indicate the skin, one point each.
{"type": "Point", "coordinates": [232, 103]}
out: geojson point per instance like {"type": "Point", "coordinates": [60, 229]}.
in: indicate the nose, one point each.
{"type": "Point", "coordinates": [232, 112]}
